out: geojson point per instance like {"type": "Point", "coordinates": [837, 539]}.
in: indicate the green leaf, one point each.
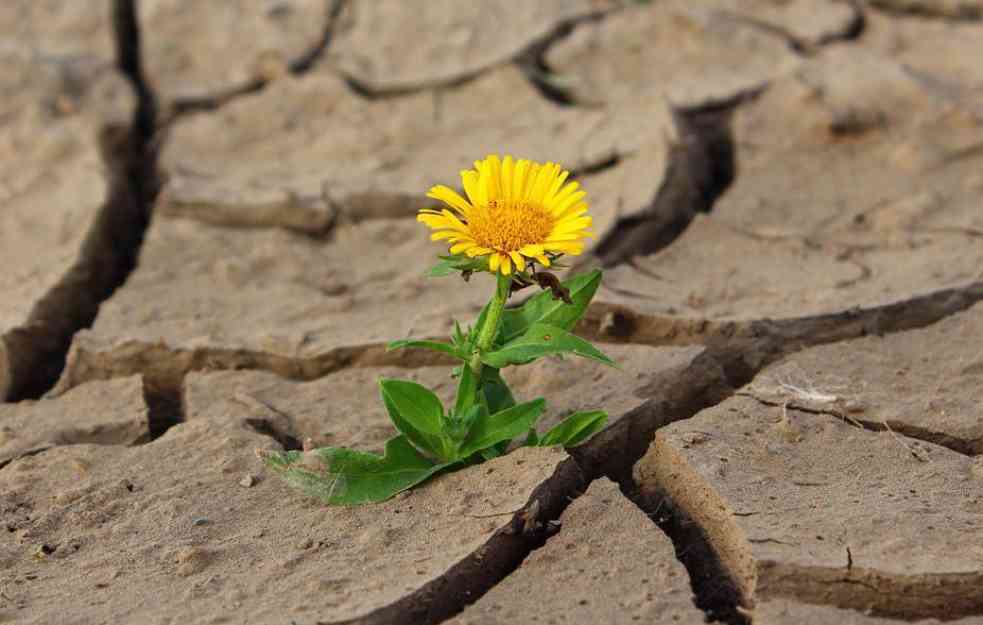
{"type": "Point", "coordinates": [345, 477]}
{"type": "Point", "coordinates": [498, 396]}
{"type": "Point", "coordinates": [532, 438]}
{"type": "Point", "coordinates": [502, 426]}
{"type": "Point", "coordinates": [540, 340]}
{"type": "Point", "coordinates": [457, 427]}
{"type": "Point", "coordinates": [459, 339]}
{"type": "Point", "coordinates": [490, 453]}
{"type": "Point", "coordinates": [542, 308]}
{"type": "Point", "coordinates": [467, 391]}
{"type": "Point", "coordinates": [436, 346]}
{"type": "Point", "coordinates": [416, 412]}
{"type": "Point", "coordinates": [415, 403]}
{"type": "Point", "coordinates": [441, 269]}
{"type": "Point", "coordinates": [478, 325]}
{"type": "Point", "coordinates": [457, 263]}
{"type": "Point", "coordinates": [575, 429]}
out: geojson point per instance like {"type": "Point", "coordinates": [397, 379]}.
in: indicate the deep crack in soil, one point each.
{"type": "Point", "coordinates": [32, 356]}
{"type": "Point", "coordinates": [470, 579]}
{"type": "Point", "coordinates": [702, 165]}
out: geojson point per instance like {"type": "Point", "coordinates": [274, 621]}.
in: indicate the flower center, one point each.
{"type": "Point", "coordinates": [507, 226]}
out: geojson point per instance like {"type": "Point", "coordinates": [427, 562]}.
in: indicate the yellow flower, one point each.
{"type": "Point", "coordinates": [516, 212]}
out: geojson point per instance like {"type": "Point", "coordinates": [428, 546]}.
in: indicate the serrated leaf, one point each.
{"type": "Point", "coordinates": [339, 476]}
{"type": "Point", "coordinates": [436, 346]}
{"type": "Point", "coordinates": [502, 426]}
{"type": "Point", "coordinates": [541, 340]}
{"type": "Point", "coordinates": [416, 412]}
{"type": "Point", "coordinates": [542, 308]}
{"type": "Point", "coordinates": [575, 429]}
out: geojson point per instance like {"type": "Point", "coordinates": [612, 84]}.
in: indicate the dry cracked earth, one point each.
{"type": "Point", "coordinates": [208, 237]}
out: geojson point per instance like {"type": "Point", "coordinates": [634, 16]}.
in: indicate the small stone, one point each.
{"type": "Point", "coordinates": [43, 551]}
{"type": "Point", "coordinates": [248, 481]}
{"type": "Point", "coordinates": [695, 438]}
{"type": "Point", "coordinates": [191, 560]}
{"type": "Point", "coordinates": [855, 406]}
{"type": "Point", "coordinates": [198, 521]}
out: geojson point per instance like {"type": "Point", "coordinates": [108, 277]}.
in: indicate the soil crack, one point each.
{"type": "Point", "coordinates": [296, 67]}
{"type": "Point", "coordinates": [616, 323]}
{"type": "Point", "coordinates": [702, 165]}
{"type": "Point", "coordinates": [943, 596]}
{"type": "Point", "coordinates": [676, 395]}
{"type": "Point", "coordinates": [529, 59]}
{"type": "Point", "coordinates": [839, 408]}
{"type": "Point", "coordinates": [801, 45]}
{"type": "Point", "coordinates": [926, 9]}
{"type": "Point", "coordinates": [32, 356]}
{"type": "Point", "coordinates": [468, 580]}
{"type": "Point", "coordinates": [714, 590]}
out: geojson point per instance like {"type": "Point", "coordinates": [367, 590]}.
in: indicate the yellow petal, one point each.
{"type": "Point", "coordinates": [571, 225]}
{"type": "Point", "coordinates": [520, 178]}
{"type": "Point", "coordinates": [543, 260]}
{"type": "Point", "coordinates": [574, 211]}
{"type": "Point", "coordinates": [532, 250]}
{"type": "Point", "coordinates": [455, 222]}
{"type": "Point", "coordinates": [544, 176]}
{"type": "Point", "coordinates": [477, 250]}
{"type": "Point", "coordinates": [531, 177]}
{"type": "Point", "coordinates": [440, 222]}
{"type": "Point", "coordinates": [567, 247]}
{"type": "Point", "coordinates": [483, 175]}
{"type": "Point", "coordinates": [555, 186]}
{"type": "Point", "coordinates": [494, 262]}
{"type": "Point", "coordinates": [445, 234]}
{"type": "Point", "coordinates": [508, 167]}
{"type": "Point", "coordinates": [506, 265]}
{"type": "Point", "coordinates": [563, 193]}
{"type": "Point", "coordinates": [520, 262]}
{"type": "Point", "coordinates": [562, 238]}
{"type": "Point", "coordinates": [462, 247]}
{"type": "Point", "coordinates": [450, 197]}
{"type": "Point", "coordinates": [494, 168]}
{"type": "Point", "coordinates": [469, 179]}
{"type": "Point", "coordinates": [563, 202]}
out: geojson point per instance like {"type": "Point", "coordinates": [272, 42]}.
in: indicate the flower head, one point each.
{"type": "Point", "coordinates": [516, 212]}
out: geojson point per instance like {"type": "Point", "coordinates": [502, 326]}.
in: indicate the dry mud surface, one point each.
{"type": "Point", "coordinates": [208, 238]}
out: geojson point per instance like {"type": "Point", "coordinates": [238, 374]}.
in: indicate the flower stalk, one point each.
{"type": "Point", "coordinates": [503, 287]}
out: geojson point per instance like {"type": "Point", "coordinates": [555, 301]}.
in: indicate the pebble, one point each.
{"type": "Point", "coordinates": [247, 481]}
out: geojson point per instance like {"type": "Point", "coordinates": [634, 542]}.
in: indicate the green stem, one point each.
{"type": "Point", "coordinates": [494, 317]}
